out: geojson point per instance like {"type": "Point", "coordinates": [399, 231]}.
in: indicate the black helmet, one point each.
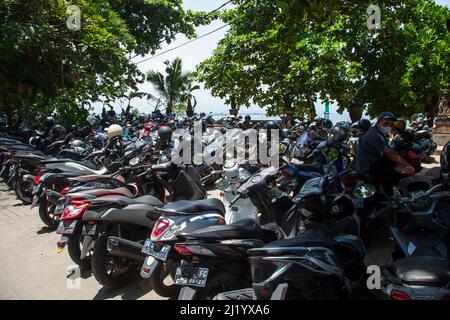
{"type": "Point", "coordinates": [364, 125]}
{"type": "Point", "coordinates": [327, 124]}
{"type": "Point", "coordinates": [58, 131]}
{"type": "Point", "coordinates": [285, 133]}
{"type": "Point", "coordinates": [445, 161]}
{"type": "Point", "coordinates": [247, 118]}
{"type": "Point", "coordinates": [338, 133]}
{"type": "Point", "coordinates": [165, 133]}
{"type": "Point", "coordinates": [74, 128]}
{"type": "Point", "coordinates": [272, 125]}
{"type": "Point", "coordinates": [49, 122]}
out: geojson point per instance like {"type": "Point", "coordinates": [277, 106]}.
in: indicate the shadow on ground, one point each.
{"type": "Point", "coordinates": [132, 291]}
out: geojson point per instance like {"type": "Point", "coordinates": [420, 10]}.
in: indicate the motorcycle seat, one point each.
{"type": "Point", "coordinates": [194, 206]}
{"type": "Point", "coordinates": [94, 177]}
{"type": "Point", "coordinates": [135, 213]}
{"type": "Point", "coordinates": [124, 192]}
{"type": "Point", "coordinates": [123, 200]}
{"type": "Point", "coordinates": [309, 238]}
{"type": "Point", "coordinates": [87, 164]}
{"type": "Point", "coordinates": [433, 271]}
{"type": "Point", "coordinates": [242, 229]}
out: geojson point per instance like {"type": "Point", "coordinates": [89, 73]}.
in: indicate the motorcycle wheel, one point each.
{"type": "Point", "coordinates": [21, 192]}
{"type": "Point", "coordinates": [74, 248]}
{"type": "Point", "coordinates": [157, 282]}
{"type": "Point", "coordinates": [101, 262]}
{"type": "Point", "coordinates": [46, 213]}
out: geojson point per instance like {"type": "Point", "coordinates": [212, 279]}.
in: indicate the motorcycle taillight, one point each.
{"type": "Point", "coordinates": [160, 225]}
{"type": "Point", "coordinates": [36, 179]}
{"type": "Point", "coordinates": [400, 295]}
{"type": "Point", "coordinates": [74, 210]}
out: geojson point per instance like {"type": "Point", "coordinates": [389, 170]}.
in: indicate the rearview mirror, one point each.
{"type": "Point", "coordinates": [364, 191]}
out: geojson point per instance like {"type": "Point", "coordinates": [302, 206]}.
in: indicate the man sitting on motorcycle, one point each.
{"type": "Point", "coordinates": [376, 158]}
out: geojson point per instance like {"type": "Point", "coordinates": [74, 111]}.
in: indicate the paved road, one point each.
{"type": "Point", "coordinates": [30, 267]}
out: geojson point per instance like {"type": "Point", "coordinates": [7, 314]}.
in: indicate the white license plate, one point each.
{"type": "Point", "coordinates": [191, 276]}
{"type": "Point", "coordinates": [155, 250]}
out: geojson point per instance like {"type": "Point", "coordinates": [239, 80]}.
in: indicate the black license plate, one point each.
{"type": "Point", "coordinates": [191, 276]}
{"type": "Point", "coordinates": [155, 250]}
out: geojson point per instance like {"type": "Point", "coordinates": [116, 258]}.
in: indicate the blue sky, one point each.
{"type": "Point", "coordinates": [194, 53]}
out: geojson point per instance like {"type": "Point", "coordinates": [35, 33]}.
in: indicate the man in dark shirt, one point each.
{"type": "Point", "coordinates": [375, 158]}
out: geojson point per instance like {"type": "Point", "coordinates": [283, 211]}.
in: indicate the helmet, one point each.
{"type": "Point", "coordinates": [114, 130]}
{"type": "Point", "coordinates": [74, 128]}
{"type": "Point", "coordinates": [285, 133]}
{"type": "Point", "coordinates": [77, 143]}
{"type": "Point", "coordinates": [58, 131]}
{"type": "Point", "coordinates": [49, 122]}
{"type": "Point", "coordinates": [247, 118]}
{"type": "Point", "coordinates": [312, 126]}
{"type": "Point", "coordinates": [400, 125]}
{"type": "Point", "coordinates": [364, 124]}
{"type": "Point", "coordinates": [445, 160]}
{"type": "Point", "coordinates": [272, 125]}
{"type": "Point", "coordinates": [327, 124]}
{"type": "Point", "coordinates": [338, 133]}
{"type": "Point", "coordinates": [165, 133]}
{"type": "Point", "coordinates": [91, 119]}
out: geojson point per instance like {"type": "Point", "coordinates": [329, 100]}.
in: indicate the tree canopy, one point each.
{"type": "Point", "coordinates": [287, 54]}
{"type": "Point", "coordinates": [47, 67]}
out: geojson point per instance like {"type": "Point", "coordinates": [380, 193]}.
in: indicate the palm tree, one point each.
{"type": "Point", "coordinates": [172, 87]}
{"type": "Point", "coordinates": [189, 98]}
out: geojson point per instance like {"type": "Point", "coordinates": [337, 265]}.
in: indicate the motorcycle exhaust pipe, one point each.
{"type": "Point", "coordinates": [125, 248]}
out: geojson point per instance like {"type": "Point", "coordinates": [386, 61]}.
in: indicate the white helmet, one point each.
{"type": "Point", "coordinates": [114, 130]}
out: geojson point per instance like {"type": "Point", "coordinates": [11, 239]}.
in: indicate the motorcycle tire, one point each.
{"type": "Point", "coordinates": [44, 214]}
{"type": "Point", "coordinates": [158, 285]}
{"type": "Point", "coordinates": [99, 262]}
{"type": "Point", "coordinates": [18, 188]}
{"type": "Point", "coordinates": [74, 249]}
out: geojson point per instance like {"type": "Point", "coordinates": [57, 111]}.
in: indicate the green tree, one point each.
{"type": "Point", "coordinates": [174, 88]}
{"type": "Point", "coordinates": [285, 55]}
{"type": "Point", "coordinates": [45, 67]}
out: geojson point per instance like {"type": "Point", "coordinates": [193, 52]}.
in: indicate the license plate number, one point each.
{"type": "Point", "coordinates": [190, 276]}
{"type": "Point", "coordinates": [157, 251]}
